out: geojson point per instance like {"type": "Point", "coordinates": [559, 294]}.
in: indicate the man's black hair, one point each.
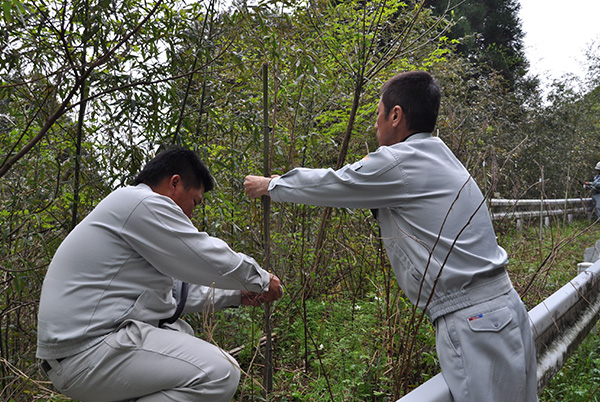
{"type": "Point", "coordinates": [418, 94]}
{"type": "Point", "coordinates": [176, 160]}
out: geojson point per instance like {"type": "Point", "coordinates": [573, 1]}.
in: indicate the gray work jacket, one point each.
{"type": "Point", "coordinates": [119, 264]}
{"type": "Point", "coordinates": [433, 218]}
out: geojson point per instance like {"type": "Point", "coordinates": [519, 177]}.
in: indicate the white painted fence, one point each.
{"type": "Point", "coordinates": [560, 323]}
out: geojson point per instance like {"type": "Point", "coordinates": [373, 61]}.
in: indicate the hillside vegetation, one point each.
{"type": "Point", "coordinates": [92, 89]}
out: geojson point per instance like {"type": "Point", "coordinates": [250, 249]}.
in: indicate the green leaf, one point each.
{"type": "Point", "coordinates": [6, 9]}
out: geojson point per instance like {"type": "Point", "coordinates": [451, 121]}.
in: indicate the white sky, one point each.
{"type": "Point", "coordinates": [557, 35]}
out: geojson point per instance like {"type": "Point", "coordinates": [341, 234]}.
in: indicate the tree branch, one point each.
{"type": "Point", "coordinates": [63, 107]}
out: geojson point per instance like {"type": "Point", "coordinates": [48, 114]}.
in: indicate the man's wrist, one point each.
{"type": "Point", "coordinates": [271, 184]}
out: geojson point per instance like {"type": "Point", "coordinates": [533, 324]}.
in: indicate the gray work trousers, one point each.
{"type": "Point", "coordinates": [148, 364]}
{"type": "Point", "coordinates": [487, 352]}
{"type": "Point", "coordinates": [596, 199]}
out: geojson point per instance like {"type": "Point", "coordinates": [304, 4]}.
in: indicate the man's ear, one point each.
{"type": "Point", "coordinates": [175, 181]}
{"type": "Point", "coordinates": [396, 114]}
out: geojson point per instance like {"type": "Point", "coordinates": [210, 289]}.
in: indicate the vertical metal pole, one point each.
{"type": "Point", "coordinates": [266, 207]}
{"type": "Point", "coordinates": [566, 206]}
{"type": "Point", "coordinates": [542, 207]}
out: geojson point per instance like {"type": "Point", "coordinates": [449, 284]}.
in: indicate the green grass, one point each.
{"type": "Point", "coordinates": [579, 379]}
{"type": "Point", "coordinates": [351, 348]}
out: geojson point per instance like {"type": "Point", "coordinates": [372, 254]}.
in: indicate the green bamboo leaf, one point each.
{"type": "Point", "coordinates": [6, 9]}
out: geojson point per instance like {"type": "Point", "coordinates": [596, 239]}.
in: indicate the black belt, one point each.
{"type": "Point", "coordinates": [180, 305]}
{"type": "Point", "coordinates": [46, 366]}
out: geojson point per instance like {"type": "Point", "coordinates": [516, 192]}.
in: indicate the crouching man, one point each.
{"type": "Point", "coordinates": [108, 323]}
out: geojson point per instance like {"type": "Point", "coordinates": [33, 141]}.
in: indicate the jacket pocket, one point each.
{"type": "Point", "coordinates": [149, 306]}
{"type": "Point", "coordinates": [399, 259]}
{"type": "Point", "coordinates": [490, 321]}
{"type": "Point", "coordinates": [410, 279]}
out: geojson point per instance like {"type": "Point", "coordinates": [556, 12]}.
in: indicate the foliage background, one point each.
{"type": "Point", "coordinates": [91, 89]}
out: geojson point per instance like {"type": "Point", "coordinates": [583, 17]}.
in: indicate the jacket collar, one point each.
{"type": "Point", "coordinates": [417, 136]}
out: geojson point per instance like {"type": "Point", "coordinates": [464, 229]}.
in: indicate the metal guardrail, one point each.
{"type": "Point", "coordinates": [519, 209]}
{"type": "Point", "coordinates": [563, 320]}
{"type": "Point", "coordinates": [559, 323]}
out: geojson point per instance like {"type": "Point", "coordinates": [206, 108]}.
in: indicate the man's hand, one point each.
{"type": "Point", "coordinates": [275, 290]}
{"type": "Point", "coordinates": [257, 186]}
{"type": "Point", "coordinates": [250, 299]}
{"type": "Point", "coordinates": [256, 299]}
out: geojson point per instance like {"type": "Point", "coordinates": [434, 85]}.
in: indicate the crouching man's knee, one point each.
{"type": "Point", "coordinates": [231, 380]}
{"type": "Point", "coordinates": [221, 379]}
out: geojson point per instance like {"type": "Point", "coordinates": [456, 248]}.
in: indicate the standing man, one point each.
{"type": "Point", "coordinates": [108, 327]}
{"type": "Point", "coordinates": [439, 238]}
{"type": "Point", "coordinates": [595, 186]}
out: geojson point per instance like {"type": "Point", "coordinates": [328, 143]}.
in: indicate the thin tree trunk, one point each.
{"type": "Point", "coordinates": [340, 162]}
{"type": "Point", "coordinates": [76, 176]}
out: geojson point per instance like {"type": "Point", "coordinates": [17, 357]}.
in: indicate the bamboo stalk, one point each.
{"type": "Point", "coordinates": [84, 92]}
{"type": "Point", "coordinates": [266, 207]}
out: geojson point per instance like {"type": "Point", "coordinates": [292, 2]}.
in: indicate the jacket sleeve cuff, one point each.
{"type": "Point", "coordinates": [203, 298]}
{"type": "Point", "coordinates": [273, 190]}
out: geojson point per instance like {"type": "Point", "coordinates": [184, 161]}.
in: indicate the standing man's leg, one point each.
{"type": "Point", "coordinates": [151, 364]}
{"type": "Point", "coordinates": [596, 200]}
{"type": "Point", "coordinates": [487, 352]}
